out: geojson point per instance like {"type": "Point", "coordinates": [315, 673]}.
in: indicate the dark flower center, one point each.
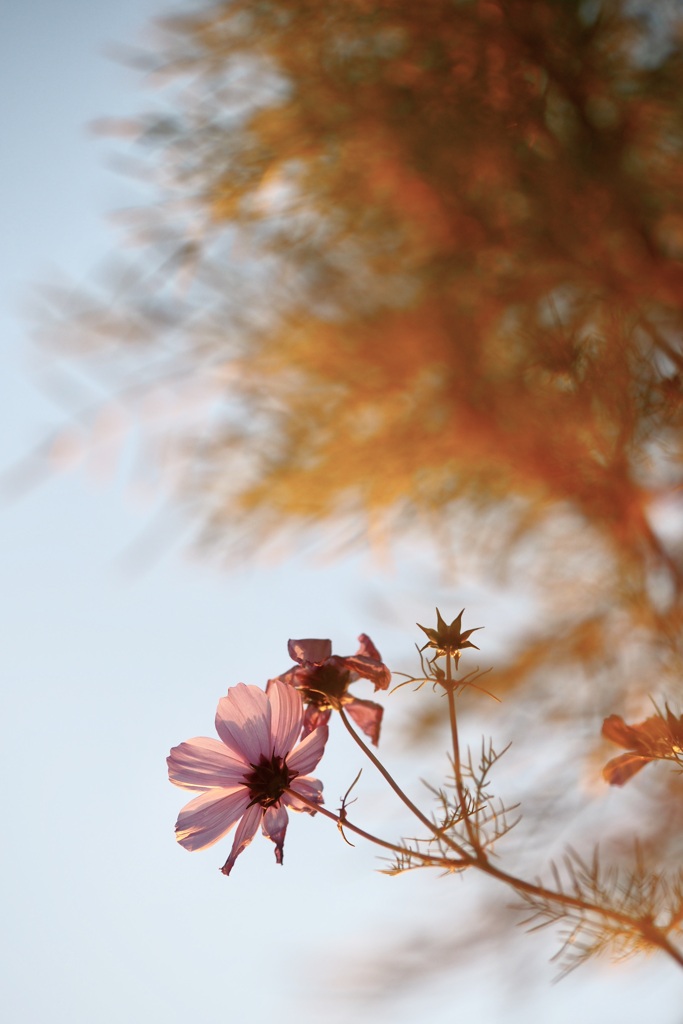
{"type": "Point", "coordinates": [325, 685]}
{"type": "Point", "coordinates": [269, 779]}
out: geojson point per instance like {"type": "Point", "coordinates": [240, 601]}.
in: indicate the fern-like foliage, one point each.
{"type": "Point", "coordinates": [489, 817]}
{"type": "Point", "coordinates": [604, 909]}
{"type": "Point", "coordinates": [453, 845]}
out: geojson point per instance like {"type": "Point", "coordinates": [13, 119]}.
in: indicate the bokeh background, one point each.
{"type": "Point", "coordinates": [117, 642]}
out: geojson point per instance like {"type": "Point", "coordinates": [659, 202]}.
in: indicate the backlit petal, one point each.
{"type": "Point", "coordinates": [243, 836]}
{"type": "Point", "coordinates": [615, 729]}
{"type": "Point", "coordinates": [208, 817]}
{"type": "Point", "coordinates": [313, 718]}
{"type": "Point", "coordinates": [312, 652]}
{"type": "Point", "coordinates": [274, 826]}
{"type": "Point", "coordinates": [312, 789]}
{"type": "Point", "coordinates": [243, 722]}
{"type": "Point", "coordinates": [204, 763]}
{"type": "Point", "coordinates": [368, 717]}
{"type": "Point", "coordinates": [376, 671]}
{"type": "Point", "coordinates": [286, 677]}
{"type": "Point", "coordinates": [306, 756]}
{"type": "Point", "coordinates": [286, 716]}
{"type": "Point", "coordinates": [620, 769]}
{"type": "Point", "coordinates": [367, 649]}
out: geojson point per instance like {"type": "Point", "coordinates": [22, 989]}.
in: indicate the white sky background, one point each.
{"type": "Point", "coordinates": [106, 919]}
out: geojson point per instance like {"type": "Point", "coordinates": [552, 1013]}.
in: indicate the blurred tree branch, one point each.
{"type": "Point", "coordinates": [423, 265]}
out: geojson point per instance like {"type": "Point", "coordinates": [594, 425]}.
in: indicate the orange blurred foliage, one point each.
{"type": "Point", "coordinates": [435, 258]}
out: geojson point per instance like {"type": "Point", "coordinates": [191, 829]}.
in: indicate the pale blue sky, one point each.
{"type": "Point", "coordinates": [103, 669]}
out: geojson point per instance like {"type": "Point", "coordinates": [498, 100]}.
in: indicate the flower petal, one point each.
{"type": "Point", "coordinates": [620, 769]}
{"type": "Point", "coordinates": [367, 649]}
{"type": "Point", "coordinates": [204, 763]}
{"type": "Point", "coordinates": [243, 722]}
{"type": "Point", "coordinates": [311, 652]}
{"type": "Point", "coordinates": [368, 668]}
{"type": "Point", "coordinates": [274, 826]}
{"type": "Point", "coordinates": [286, 716]}
{"type": "Point", "coordinates": [313, 718]}
{"type": "Point", "coordinates": [306, 756]}
{"type": "Point", "coordinates": [286, 677]}
{"type": "Point", "coordinates": [615, 729]}
{"type": "Point", "coordinates": [244, 835]}
{"type": "Point", "coordinates": [368, 717]}
{"type": "Point", "coordinates": [208, 817]}
{"type": "Point", "coordinates": [312, 789]}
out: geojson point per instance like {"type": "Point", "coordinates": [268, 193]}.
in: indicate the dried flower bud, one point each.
{"type": "Point", "coordinates": [448, 640]}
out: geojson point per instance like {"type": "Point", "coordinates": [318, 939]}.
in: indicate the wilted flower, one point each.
{"type": "Point", "coordinates": [323, 679]}
{"type": "Point", "coordinates": [657, 738]}
{"type": "Point", "coordinates": [448, 639]}
{"type": "Point", "coordinates": [253, 773]}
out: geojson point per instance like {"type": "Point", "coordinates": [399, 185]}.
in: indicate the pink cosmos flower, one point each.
{"type": "Point", "coordinates": [253, 773]}
{"type": "Point", "coordinates": [323, 679]}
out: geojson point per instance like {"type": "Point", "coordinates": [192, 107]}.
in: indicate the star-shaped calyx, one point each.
{"type": "Point", "coordinates": [448, 640]}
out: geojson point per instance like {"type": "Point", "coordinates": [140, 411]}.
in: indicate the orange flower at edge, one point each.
{"type": "Point", "coordinates": [658, 738]}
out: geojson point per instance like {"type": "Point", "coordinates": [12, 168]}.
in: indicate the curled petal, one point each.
{"type": "Point", "coordinates": [286, 677]}
{"type": "Point", "coordinates": [656, 737]}
{"type": "Point", "coordinates": [310, 788]}
{"type": "Point", "coordinates": [620, 769]}
{"type": "Point", "coordinates": [243, 722]}
{"type": "Point", "coordinates": [204, 763]}
{"type": "Point", "coordinates": [368, 668]}
{"type": "Point", "coordinates": [243, 836]}
{"type": "Point", "coordinates": [208, 817]}
{"type": "Point", "coordinates": [297, 675]}
{"type": "Point", "coordinates": [286, 716]}
{"type": "Point", "coordinates": [305, 757]}
{"type": "Point", "coordinates": [367, 649]}
{"type": "Point", "coordinates": [615, 729]}
{"type": "Point", "coordinates": [274, 826]}
{"type": "Point", "coordinates": [314, 717]}
{"type": "Point", "coordinates": [675, 724]}
{"type": "Point", "coordinates": [368, 717]}
{"type": "Point", "coordinates": [309, 652]}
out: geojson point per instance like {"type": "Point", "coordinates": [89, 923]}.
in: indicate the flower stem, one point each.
{"type": "Point", "coordinates": [438, 833]}
{"type": "Point", "coordinates": [478, 859]}
{"type": "Point", "coordinates": [457, 767]}
{"type": "Point", "coordinates": [342, 823]}
{"type": "Point", "coordinates": [645, 927]}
